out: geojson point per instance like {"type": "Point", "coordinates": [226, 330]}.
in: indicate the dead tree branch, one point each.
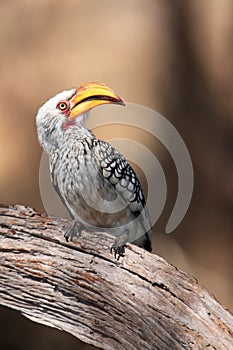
{"type": "Point", "coordinates": [139, 302]}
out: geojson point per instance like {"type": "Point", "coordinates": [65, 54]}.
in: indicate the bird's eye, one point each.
{"type": "Point", "coordinates": [63, 106]}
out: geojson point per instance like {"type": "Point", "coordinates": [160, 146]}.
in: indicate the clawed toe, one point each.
{"type": "Point", "coordinates": [73, 231]}
{"type": "Point", "coordinates": [118, 251]}
{"type": "Point", "coordinates": [118, 247]}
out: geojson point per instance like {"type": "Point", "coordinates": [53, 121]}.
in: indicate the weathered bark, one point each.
{"type": "Point", "coordinates": [138, 302]}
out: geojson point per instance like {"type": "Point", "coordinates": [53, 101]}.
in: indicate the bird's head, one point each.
{"type": "Point", "coordinates": [69, 108]}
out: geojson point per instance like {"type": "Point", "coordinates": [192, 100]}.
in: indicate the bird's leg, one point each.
{"type": "Point", "coordinates": [118, 247]}
{"type": "Point", "coordinates": [74, 230]}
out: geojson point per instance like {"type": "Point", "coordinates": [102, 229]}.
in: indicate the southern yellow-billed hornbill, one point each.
{"type": "Point", "coordinates": [94, 181]}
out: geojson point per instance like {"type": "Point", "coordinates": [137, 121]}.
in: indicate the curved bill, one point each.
{"type": "Point", "coordinates": [90, 95]}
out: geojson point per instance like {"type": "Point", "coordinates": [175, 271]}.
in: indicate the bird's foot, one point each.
{"type": "Point", "coordinates": [73, 231]}
{"type": "Point", "coordinates": [118, 247]}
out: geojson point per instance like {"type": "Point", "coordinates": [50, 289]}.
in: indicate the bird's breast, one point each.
{"type": "Point", "coordinates": [80, 183]}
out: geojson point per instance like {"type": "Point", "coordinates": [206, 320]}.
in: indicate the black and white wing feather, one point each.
{"type": "Point", "coordinates": [120, 174]}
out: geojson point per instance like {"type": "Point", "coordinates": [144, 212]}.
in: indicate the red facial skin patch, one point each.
{"type": "Point", "coordinates": [68, 123]}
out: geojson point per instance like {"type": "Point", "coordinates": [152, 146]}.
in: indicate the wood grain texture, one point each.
{"type": "Point", "coordinates": [138, 302]}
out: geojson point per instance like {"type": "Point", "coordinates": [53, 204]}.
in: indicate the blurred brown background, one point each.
{"type": "Point", "coordinates": [174, 56]}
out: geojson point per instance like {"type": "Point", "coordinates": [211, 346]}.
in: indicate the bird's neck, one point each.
{"type": "Point", "coordinates": [52, 138]}
{"type": "Point", "coordinates": [76, 133]}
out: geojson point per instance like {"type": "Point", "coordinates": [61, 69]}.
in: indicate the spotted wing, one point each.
{"type": "Point", "coordinates": [120, 174]}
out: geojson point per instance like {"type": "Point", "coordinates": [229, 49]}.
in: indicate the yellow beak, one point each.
{"type": "Point", "coordinates": [90, 95]}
